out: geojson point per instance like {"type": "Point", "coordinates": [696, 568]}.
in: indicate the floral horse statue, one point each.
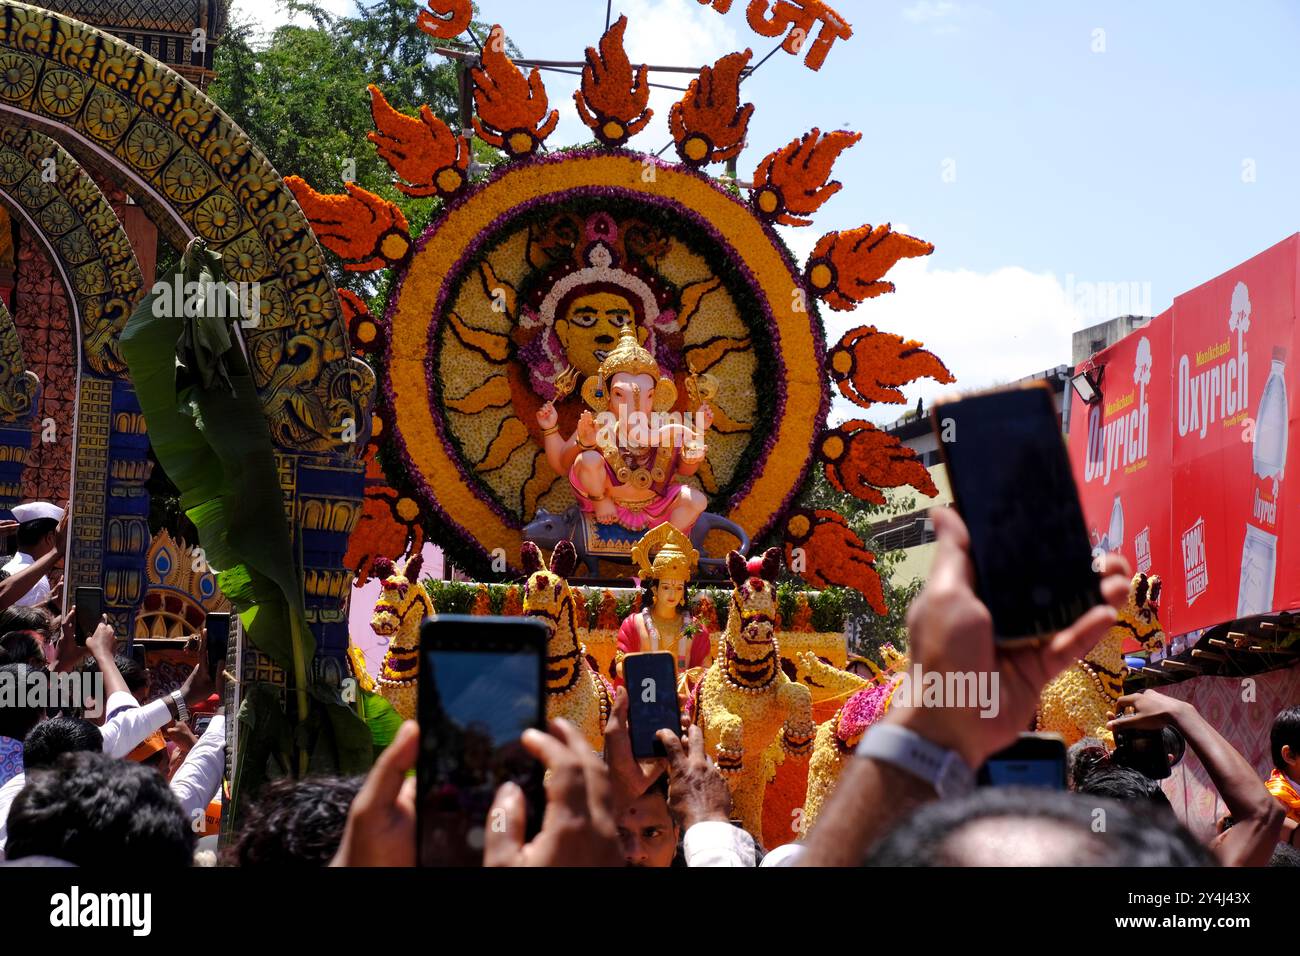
{"type": "Point", "coordinates": [1078, 702]}
{"type": "Point", "coordinates": [747, 707]}
{"type": "Point", "coordinates": [401, 609]}
{"type": "Point", "coordinates": [573, 690]}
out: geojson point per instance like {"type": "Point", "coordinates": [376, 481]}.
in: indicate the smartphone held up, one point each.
{"type": "Point", "coordinates": [482, 683]}
{"type": "Point", "coordinates": [1011, 481]}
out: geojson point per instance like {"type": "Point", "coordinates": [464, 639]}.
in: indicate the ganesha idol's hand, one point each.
{"type": "Point", "coordinates": [587, 430]}
{"type": "Point", "coordinates": [547, 416]}
{"type": "Point", "coordinates": [703, 419]}
{"type": "Point", "coordinates": [694, 452]}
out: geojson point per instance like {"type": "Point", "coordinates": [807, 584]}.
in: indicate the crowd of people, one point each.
{"type": "Point", "coordinates": [82, 784]}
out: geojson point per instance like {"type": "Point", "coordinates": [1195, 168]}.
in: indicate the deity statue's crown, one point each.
{"type": "Point", "coordinates": [629, 357]}
{"type": "Point", "coordinates": [674, 556]}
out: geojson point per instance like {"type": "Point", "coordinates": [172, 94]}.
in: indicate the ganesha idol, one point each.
{"type": "Point", "coordinates": [623, 462]}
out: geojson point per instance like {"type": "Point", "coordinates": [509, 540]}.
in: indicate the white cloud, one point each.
{"type": "Point", "coordinates": [939, 15]}
{"type": "Point", "coordinates": [988, 328]}
{"type": "Point", "coordinates": [268, 16]}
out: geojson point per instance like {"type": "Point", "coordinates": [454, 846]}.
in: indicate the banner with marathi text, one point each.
{"type": "Point", "coordinates": [1182, 464]}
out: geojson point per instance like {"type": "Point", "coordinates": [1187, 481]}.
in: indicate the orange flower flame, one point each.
{"type": "Point", "coordinates": [831, 555]}
{"type": "Point", "coordinates": [708, 123]}
{"type": "Point", "coordinates": [612, 101]}
{"type": "Point", "coordinates": [364, 230]}
{"type": "Point", "coordinates": [423, 151]}
{"type": "Point", "coordinates": [793, 182]}
{"type": "Point", "coordinates": [847, 267]}
{"type": "Point", "coordinates": [389, 525]}
{"type": "Point", "coordinates": [861, 459]}
{"type": "Point", "coordinates": [364, 332]}
{"type": "Point", "coordinates": [870, 366]}
{"type": "Point", "coordinates": [510, 109]}
{"type": "Point", "coordinates": [445, 19]}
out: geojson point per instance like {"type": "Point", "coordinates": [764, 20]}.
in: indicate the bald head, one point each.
{"type": "Point", "coordinates": [1010, 826]}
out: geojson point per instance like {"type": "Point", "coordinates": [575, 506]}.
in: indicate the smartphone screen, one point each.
{"type": "Point", "coordinates": [481, 685]}
{"type": "Point", "coordinates": [1011, 481]}
{"type": "Point", "coordinates": [651, 679]}
{"type": "Point", "coordinates": [218, 627]}
{"type": "Point", "coordinates": [1035, 760]}
{"type": "Point", "coordinates": [90, 608]}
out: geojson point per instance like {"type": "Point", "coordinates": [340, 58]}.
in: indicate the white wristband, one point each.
{"type": "Point", "coordinates": [910, 752]}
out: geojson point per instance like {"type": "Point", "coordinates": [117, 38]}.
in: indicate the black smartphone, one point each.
{"type": "Point", "coordinates": [1035, 760]}
{"type": "Point", "coordinates": [1145, 751]}
{"type": "Point", "coordinates": [218, 625]}
{"type": "Point", "coordinates": [137, 655]}
{"type": "Point", "coordinates": [89, 603]}
{"type": "Point", "coordinates": [482, 683]}
{"type": "Point", "coordinates": [652, 705]}
{"type": "Point", "coordinates": [1011, 480]}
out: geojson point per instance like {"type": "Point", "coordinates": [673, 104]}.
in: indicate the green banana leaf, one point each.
{"type": "Point", "coordinates": [208, 431]}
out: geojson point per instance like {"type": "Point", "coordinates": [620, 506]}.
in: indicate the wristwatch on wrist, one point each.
{"type": "Point", "coordinates": [907, 750]}
{"type": "Point", "coordinates": [182, 711]}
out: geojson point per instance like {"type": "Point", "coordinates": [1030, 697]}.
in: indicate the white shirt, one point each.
{"type": "Point", "coordinates": [196, 781]}
{"type": "Point", "coordinates": [40, 592]}
{"type": "Point", "coordinates": [128, 723]}
{"type": "Point", "coordinates": [714, 843]}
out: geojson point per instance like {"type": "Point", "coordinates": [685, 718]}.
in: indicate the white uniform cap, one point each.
{"type": "Point", "coordinates": [34, 510]}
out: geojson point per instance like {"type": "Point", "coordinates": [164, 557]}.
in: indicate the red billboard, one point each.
{"type": "Point", "coordinates": [1120, 448]}
{"type": "Point", "coordinates": [1209, 481]}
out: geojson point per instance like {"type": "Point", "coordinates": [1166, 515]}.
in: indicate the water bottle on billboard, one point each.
{"type": "Point", "coordinates": [1259, 550]}
{"type": "Point", "coordinates": [1115, 536]}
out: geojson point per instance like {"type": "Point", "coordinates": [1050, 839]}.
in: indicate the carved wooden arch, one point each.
{"type": "Point", "coordinates": [48, 191]}
{"type": "Point", "coordinates": [19, 392]}
{"type": "Point", "coordinates": [197, 173]}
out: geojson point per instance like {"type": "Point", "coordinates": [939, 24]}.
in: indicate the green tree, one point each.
{"type": "Point", "coordinates": [867, 629]}
{"type": "Point", "coordinates": [301, 95]}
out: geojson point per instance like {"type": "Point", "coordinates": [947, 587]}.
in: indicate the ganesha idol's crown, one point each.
{"type": "Point", "coordinates": [629, 357]}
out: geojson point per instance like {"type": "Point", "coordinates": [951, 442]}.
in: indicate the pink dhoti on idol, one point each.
{"type": "Point", "coordinates": [638, 515]}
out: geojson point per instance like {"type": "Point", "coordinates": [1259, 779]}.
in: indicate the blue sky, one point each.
{"type": "Point", "coordinates": [1160, 151]}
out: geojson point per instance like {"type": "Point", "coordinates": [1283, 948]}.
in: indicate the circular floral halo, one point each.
{"type": "Point", "coordinates": [786, 323]}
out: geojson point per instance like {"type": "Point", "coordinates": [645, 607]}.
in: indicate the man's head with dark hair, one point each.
{"type": "Point", "coordinates": [1012, 826]}
{"type": "Point", "coordinates": [295, 823]}
{"type": "Point", "coordinates": [92, 810]}
{"type": "Point", "coordinates": [33, 619]}
{"type": "Point", "coordinates": [36, 537]}
{"type": "Point", "coordinates": [138, 679]}
{"type": "Point", "coordinates": [1284, 742]}
{"type": "Point", "coordinates": [1084, 758]}
{"type": "Point", "coordinates": [1127, 785]}
{"type": "Point", "coordinates": [647, 833]}
{"type": "Point", "coordinates": [16, 719]}
{"type": "Point", "coordinates": [22, 647]}
{"type": "Point", "coordinates": [1284, 855]}
{"type": "Point", "coordinates": [52, 738]}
